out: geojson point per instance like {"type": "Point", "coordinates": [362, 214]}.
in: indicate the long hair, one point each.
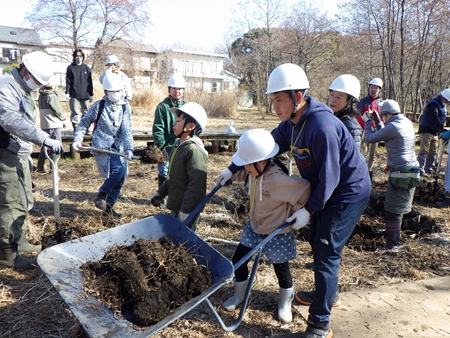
{"type": "Point", "coordinates": [74, 54]}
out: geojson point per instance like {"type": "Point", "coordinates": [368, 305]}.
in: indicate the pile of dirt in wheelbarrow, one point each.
{"type": "Point", "coordinates": [146, 281]}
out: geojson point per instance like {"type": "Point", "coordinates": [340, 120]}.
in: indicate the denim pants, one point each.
{"type": "Point", "coordinates": [330, 230]}
{"type": "Point", "coordinates": [115, 181]}
{"type": "Point", "coordinates": [163, 168]}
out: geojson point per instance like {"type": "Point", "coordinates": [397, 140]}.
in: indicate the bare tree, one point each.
{"type": "Point", "coordinates": [91, 22]}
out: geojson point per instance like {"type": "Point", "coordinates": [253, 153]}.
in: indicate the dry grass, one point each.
{"type": "Point", "coordinates": [30, 307]}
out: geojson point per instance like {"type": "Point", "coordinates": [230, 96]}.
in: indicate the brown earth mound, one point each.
{"type": "Point", "coordinates": [146, 281]}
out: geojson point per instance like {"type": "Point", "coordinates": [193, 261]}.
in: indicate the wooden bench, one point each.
{"type": "Point", "coordinates": [215, 138]}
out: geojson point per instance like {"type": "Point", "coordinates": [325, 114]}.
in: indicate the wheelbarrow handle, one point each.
{"type": "Point", "coordinates": [193, 215]}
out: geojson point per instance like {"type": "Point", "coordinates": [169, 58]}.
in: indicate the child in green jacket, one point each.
{"type": "Point", "coordinates": [186, 179]}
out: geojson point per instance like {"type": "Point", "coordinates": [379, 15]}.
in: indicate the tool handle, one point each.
{"type": "Point", "coordinates": [193, 215]}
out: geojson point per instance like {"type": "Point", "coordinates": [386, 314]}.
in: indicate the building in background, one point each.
{"type": "Point", "coordinates": [200, 70]}
{"type": "Point", "coordinates": [15, 42]}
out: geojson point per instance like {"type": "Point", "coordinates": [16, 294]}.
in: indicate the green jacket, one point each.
{"type": "Point", "coordinates": [186, 180]}
{"type": "Point", "coordinates": [163, 135]}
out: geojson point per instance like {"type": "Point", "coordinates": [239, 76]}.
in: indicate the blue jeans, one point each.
{"type": "Point", "coordinates": [330, 230]}
{"type": "Point", "coordinates": [163, 168]}
{"type": "Point", "coordinates": [115, 181]}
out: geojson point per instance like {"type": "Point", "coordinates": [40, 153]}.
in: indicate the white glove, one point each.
{"type": "Point", "coordinates": [182, 216]}
{"type": "Point", "coordinates": [76, 146]}
{"type": "Point", "coordinates": [129, 154]}
{"type": "Point", "coordinates": [224, 177]}
{"type": "Point", "coordinates": [367, 116]}
{"type": "Point", "coordinates": [54, 145]}
{"type": "Point", "coordinates": [67, 96]}
{"type": "Point", "coordinates": [301, 217]}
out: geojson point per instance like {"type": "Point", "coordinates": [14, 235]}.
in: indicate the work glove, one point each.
{"type": "Point", "coordinates": [54, 145]}
{"type": "Point", "coordinates": [367, 116]}
{"type": "Point", "coordinates": [91, 98]}
{"type": "Point", "coordinates": [182, 216]}
{"type": "Point", "coordinates": [224, 177]}
{"type": "Point", "coordinates": [156, 199]}
{"type": "Point", "coordinates": [129, 155]}
{"type": "Point", "coordinates": [67, 96]}
{"type": "Point", "coordinates": [301, 217]}
{"type": "Point", "coordinates": [76, 146]}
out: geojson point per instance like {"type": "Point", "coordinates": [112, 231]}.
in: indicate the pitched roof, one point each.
{"type": "Point", "coordinates": [138, 47]}
{"type": "Point", "coordinates": [20, 36]}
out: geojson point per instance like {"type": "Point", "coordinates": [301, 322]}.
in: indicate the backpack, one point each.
{"type": "Point", "coordinates": [100, 111]}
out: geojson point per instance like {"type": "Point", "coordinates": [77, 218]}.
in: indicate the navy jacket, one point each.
{"type": "Point", "coordinates": [433, 117]}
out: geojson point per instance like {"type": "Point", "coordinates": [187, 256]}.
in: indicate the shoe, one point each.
{"type": "Point", "coordinates": [306, 298]}
{"type": "Point", "coordinates": [100, 203]}
{"type": "Point", "coordinates": [443, 204]}
{"type": "Point", "coordinates": [318, 329]}
{"type": "Point", "coordinates": [423, 174]}
{"type": "Point", "coordinates": [111, 212]}
{"type": "Point", "coordinates": [310, 265]}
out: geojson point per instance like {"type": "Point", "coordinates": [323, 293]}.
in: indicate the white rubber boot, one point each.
{"type": "Point", "coordinates": [284, 305]}
{"type": "Point", "coordinates": [239, 292]}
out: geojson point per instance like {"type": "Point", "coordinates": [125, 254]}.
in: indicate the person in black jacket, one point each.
{"type": "Point", "coordinates": [79, 88]}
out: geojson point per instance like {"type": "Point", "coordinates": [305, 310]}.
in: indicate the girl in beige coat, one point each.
{"type": "Point", "coordinates": [274, 197]}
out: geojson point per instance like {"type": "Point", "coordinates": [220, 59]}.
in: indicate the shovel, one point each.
{"type": "Point", "coordinates": [59, 235]}
{"type": "Point", "coordinates": [106, 151]}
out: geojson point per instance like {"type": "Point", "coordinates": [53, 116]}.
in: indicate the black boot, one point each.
{"type": "Point", "coordinates": [111, 212]}
{"type": "Point", "coordinates": [10, 258]}
{"type": "Point", "coordinates": [392, 239]}
{"type": "Point", "coordinates": [161, 181]}
{"type": "Point", "coordinates": [24, 246]}
{"type": "Point", "coordinates": [100, 201]}
{"type": "Point", "coordinates": [444, 204]}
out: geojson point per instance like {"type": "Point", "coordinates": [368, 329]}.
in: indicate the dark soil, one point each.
{"type": "Point", "coordinates": [145, 281]}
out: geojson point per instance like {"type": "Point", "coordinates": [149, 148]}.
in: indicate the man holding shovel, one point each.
{"type": "Point", "coordinates": [17, 135]}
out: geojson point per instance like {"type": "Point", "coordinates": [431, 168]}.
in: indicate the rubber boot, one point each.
{"type": "Point", "coordinates": [393, 226]}
{"type": "Point", "coordinates": [23, 246]}
{"type": "Point", "coordinates": [284, 305]}
{"type": "Point", "coordinates": [161, 180]}
{"type": "Point", "coordinates": [11, 259]}
{"type": "Point", "coordinates": [239, 293]}
{"type": "Point", "coordinates": [444, 204]}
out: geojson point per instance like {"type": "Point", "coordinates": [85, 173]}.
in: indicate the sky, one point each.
{"type": "Point", "coordinates": [176, 23]}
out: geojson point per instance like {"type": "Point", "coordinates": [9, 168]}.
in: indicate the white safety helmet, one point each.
{"type": "Point", "coordinates": [389, 107]}
{"type": "Point", "coordinates": [112, 81]}
{"type": "Point", "coordinates": [287, 77]}
{"type": "Point", "coordinates": [376, 81]}
{"type": "Point", "coordinates": [446, 94]}
{"type": "Point", "coordinates": [176, 81]}
{"type": "Point", "coordinates": [347, 84]}
{"type": "Point", "coordinates": [40, 65]}
{"type": "Point", "coordinates": [195, 111]}
{"type": "Point", "coordinates": [253, 146]}
{"type": "Point", "coordinates": [112, 59]}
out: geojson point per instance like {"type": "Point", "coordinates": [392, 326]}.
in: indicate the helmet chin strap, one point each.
{"type": "Point", "coordinates": [294, 99]}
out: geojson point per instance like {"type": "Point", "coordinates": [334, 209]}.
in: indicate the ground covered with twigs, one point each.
{"type": "Point", "coordinates": [31, 307]}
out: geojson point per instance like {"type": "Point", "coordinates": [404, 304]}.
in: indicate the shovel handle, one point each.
{"type": "Point", "coordinates": [105, 151]}
{"type": "Point", "coordinates": [200, 206]}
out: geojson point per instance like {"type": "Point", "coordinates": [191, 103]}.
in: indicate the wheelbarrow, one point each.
{"type": "Point", "coordinates": [61, 264]}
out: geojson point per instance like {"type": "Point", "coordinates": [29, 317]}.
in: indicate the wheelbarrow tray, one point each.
{"type": "Point", "coordinates": [61, 264]}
